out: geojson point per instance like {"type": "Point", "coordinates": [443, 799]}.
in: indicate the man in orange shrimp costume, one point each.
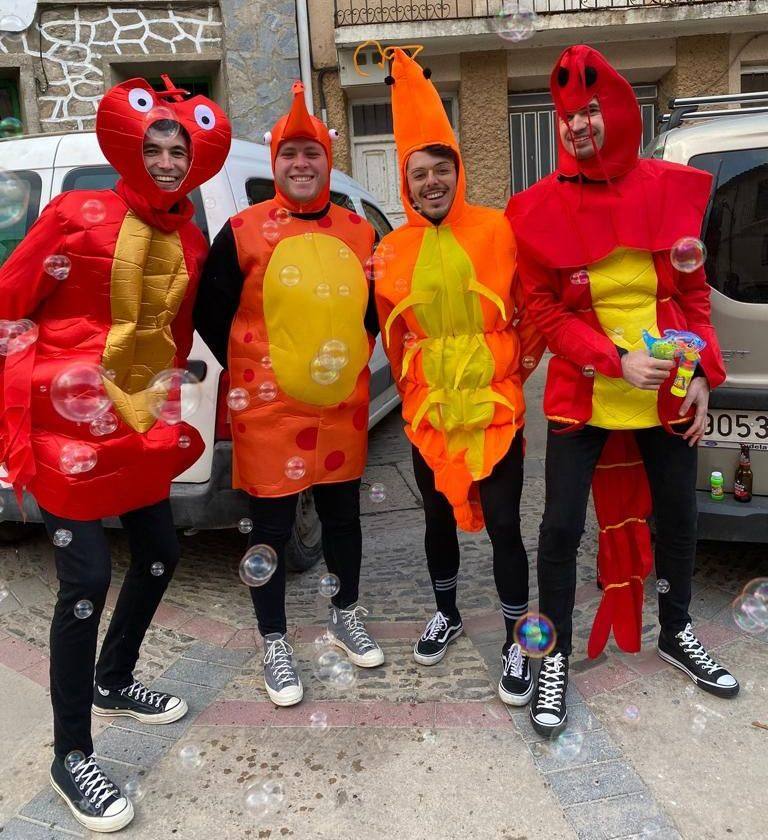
{"type": "Point", "coordinates": [461, 345]}
{"type": "Point", "coordinates": [284, 305]}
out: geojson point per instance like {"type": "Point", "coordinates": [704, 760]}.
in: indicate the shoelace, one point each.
{"type": "Point", "coordinates": [278, 657]}
{"type": "Point", "coordinates": [356, 628]}
{"type": "Point", "coordinates": [514, 662]}
{"type": "Point", "coordinates": [92, 782]}
{"type": "Point", "coordinates": [551, 682]}
{"type": "Point", "coordinates": [141, 693]}
{"type": "Point", "coordinates": [435, 626]}
{"type": "Point", "coordinates": [694, 648]}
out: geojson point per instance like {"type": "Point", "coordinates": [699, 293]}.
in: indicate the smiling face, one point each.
{"type": "Point", "coordinates": [583, 134]}
{"type": "Point", "coordinates": [301, 170]}
{"type": "Point", "coordinates": [432, 179]}
{"type": "Point", "coordinates": [166, 155]}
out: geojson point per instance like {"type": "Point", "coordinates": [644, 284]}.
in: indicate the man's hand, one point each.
{"type": "Point", "coordinates": [643, 371]}
{"type": "Point", "coordinates": [698, 395]}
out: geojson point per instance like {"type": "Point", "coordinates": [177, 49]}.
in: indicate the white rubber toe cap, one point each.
{"type": "Point", "coordinates": [117, 807]}
{"type": "Point", "coordinates": [546, 719]}
{"type": "Point", "coordinates": [726, 681]}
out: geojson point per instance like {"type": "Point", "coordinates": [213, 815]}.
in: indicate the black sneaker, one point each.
{"type": "Point", "coordinates": [686, 652]}
{"type": "Point", "coordinates": [138, 702]}
{"type": "Point", "coordinates": [94, 800]}
{"type": "Point", "coordinates": [516, 683]}
{"type": "Point", "coordinates": [548, 713]}
{"type": "Point", "coordinates": [440, 631]}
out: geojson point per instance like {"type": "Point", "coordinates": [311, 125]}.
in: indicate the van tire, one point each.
{"type": "Point", "coordinates": [305, 548]}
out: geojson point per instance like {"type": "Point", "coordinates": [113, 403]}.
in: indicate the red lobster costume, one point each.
{"type": "Point", "coordinates": [612, 220]}
{"type": "Point", "coordinates": [125, 305]}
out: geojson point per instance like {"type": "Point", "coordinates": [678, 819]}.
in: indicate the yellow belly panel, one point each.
{"type": "Point", "coordinates": [623, 288]}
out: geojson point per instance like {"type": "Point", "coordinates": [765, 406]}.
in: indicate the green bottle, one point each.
{"type": "Point", "coordinates": [716, 486]}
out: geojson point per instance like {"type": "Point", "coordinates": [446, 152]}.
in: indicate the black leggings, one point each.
{"type": "Point", "coordinates": [338, 506]}
{"type": "Point", "coordinates": [500, 500]}
{"type": "Point", "coordinates": [84, 570]}
{"type": "Point", "coordinates": [671, 467]}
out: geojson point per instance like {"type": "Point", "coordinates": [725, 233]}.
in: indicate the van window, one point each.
{"type": "Point", "coordinates": [105, 178]}
{"type": "Point", "coordinates": [736, 232]}
{"type": "Point", "coordinates": [263, 189]}
{"type": "Point", "coordinates": [378, 220]}
{"type": "Point", "coordinates": [14, 222]}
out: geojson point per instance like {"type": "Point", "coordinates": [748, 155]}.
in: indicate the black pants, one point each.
{"type": "Point", "coordinates": [338, 506]}
{"type": "Point", "coordinates": [500, 500]}
{"type": "Point", "coordinates": [84, 570]}
{"type": "Point", "coordinates": [671, 467]}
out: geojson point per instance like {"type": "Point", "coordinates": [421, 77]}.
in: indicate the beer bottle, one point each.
{"type": "Point", "coordinates": [742, 483]}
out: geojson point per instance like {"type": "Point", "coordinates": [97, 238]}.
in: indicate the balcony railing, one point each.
{"type": "Point", "coordinates": [356, 12]}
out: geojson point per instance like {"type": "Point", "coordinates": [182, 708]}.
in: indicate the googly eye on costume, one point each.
{"type": "Point", "coordinates": [333, 134]}
{"type": "Point", "coordinates": [267, 138]}
{"type": "Point", "coordinates": [141, 100]}
{"type": "Point", "coordinates": [205, 117]}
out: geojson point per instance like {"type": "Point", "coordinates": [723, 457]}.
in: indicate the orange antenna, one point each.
{"type": "Point", "coordinates": [171, 92]}
{"type": "Point", "coordinates": [386, 53]}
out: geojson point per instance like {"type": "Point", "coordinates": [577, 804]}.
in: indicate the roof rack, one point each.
{"type": "Point", "coordinates": [687, 107]}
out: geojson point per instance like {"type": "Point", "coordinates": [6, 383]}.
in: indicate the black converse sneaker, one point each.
{"type": "Point", "coordinates": [686, 652]}
{"type": "Point", "coordinates": [440, 631]}
{"type": "Point", "coordinates": [94, 800]}
{"type": "Point", "coordinates": [139, 702]}
{"type": "Point", "coordinates": [516, 683]}
{"type": "Point", "coordinates": [548, 713]}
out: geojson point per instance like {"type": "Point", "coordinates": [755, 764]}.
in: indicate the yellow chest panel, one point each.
{"type": "Point", "coordinates": [623, 288]}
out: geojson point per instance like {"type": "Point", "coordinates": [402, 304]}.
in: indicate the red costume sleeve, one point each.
{"type": "Point", "coordinates": [196, 249]}
{"type": "Point", "coordinates": [532, 341]}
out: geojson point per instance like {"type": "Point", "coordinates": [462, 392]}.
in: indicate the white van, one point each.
{"type": "Point", "coordinates": [202, 497]}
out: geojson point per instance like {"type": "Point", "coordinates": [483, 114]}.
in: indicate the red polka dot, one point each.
{"type": "Point", "coordinates": [273, 213]}
{"type": "Point", "coordinates": [248, 375]}
{"type": "Point", "coordinates": [342, 406]}
{"type": "Point", "coordinates": [307, 439]}
{"type": "Point", "coordinates": [236, 222]}
{"type": "Point", "coordinates": [248, 338]}
{"type": "Point", "coordinates": [335, 460]}
{"type": "Point", "coordinates": [325, 222]}
{"type": "Point", "coordinates": [241, 428]}
{"type": "Point", "coordinates": [355, 219]}
{"type": "Point", "coordinates": [360, 418]}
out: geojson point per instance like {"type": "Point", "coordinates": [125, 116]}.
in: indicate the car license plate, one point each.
{"type": "Point", "coordinates": [729, 429]}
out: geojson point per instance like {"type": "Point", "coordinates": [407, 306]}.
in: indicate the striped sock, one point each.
{"type": "Point", "coordinates": [445, 594]}
{"type": "Point", "coordinates": [512, 613]}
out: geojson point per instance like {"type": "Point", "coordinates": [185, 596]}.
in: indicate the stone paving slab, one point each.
{"type": "Point", "coordinates": [633, 815]}
{"type": "Point", "coordinates": [574, 749]}
{"type": "Point", "coordinates": [18, 829]}
{"type": "Point", "coordinates": [596, 781]}
{"type": "Point", "coordinates": [208, 674]}
{"type": "Point", "coordinates": [130, 747]}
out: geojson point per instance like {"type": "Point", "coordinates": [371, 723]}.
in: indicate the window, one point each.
{"type": "Point", "coordinates": [378, 220]}
{"type": "Point", "coordinates": [376, 117]}
{"type": "Point", "coordinates": [9, 99]}
{"type": "Point", "coordinates": [736, 233]}
{"type": "Point", "coordinates": [105, 178]}
{"type": "Point", "coordinates": [754, 82]}
{"type": "Point", "coordinates": [14, 229]}
{"type": "Point", "coordinates": [197, 86]}
{"type": "Point", "coordinates": [263, 189]}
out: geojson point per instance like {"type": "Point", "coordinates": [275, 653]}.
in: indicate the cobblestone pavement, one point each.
{"type": "Point", "coordinates": [404, 751]}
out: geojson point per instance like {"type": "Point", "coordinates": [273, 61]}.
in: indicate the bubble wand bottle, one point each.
{"type": "Point", "coordinates": [680, 345]}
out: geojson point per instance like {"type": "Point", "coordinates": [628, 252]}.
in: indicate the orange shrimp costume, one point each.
{"type": "Point", "coordinates": [452, 316]}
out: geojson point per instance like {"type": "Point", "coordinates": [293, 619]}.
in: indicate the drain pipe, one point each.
{"type": "Point", "coordinates": [305, 56]}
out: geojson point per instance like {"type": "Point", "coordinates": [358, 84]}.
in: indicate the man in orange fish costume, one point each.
{"type": "Point", "coordinates": [601, 264]}
{"type": "Point", "coordinates": [461, 345]}
{"type": "Point", "coordinates": [107, 280]}
{"type": "Point", "coordinates": [284, 305]}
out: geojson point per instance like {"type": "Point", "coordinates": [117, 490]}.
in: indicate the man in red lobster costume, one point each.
{"type": "Point", "coordinates": [107, 281]}
{"type": "Point", "coordinates": [595, 242]}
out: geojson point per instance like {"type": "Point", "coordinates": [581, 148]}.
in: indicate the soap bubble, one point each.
{"type": "Point", "coordinates": [14, 199]}
{"type": "Point", "coordinates": [308, 236]}
{"type": "Point", "coordinates": [270, 231]}
{"type": "Point", "coordinates": [513, 23]}
{"type": "Point", "coordinates": [344, 252]}
{"type": "Point", "coordinates": [238, 399]}
{"type": "Point", "coordinates": [750, 612]}
{"type": "Point", "coordinates": [161, 123]}
{"type": "Point", "coordinates": [16, 336]}
{"type": "Point", "coordinates": [580, 277]}
{"type": "Point", "coordinates": [377, 493]}
{"type": "Point", "coordinates": [78, 393]}
{"type": "Point", "coordinates": [328, 585]}
{"type": "Point", "coordinates": [157, 569]}
{"type": "Point", "coordinates": [529, 362]}
{"type": "Point", "coordinates": [567, 745]}
{"type": "Point", "coordinates": [209, 203]}
{"type": "Point", "coordinates": [336, 352]}
{"type": "Point", "coordinates": [343, 674]}
{"type": "Point", "coordinates": [94, 211]}
{"type": "Point", "coordinates": [588, 371]}
{"type": "Point", "coordinates": [190, 757]}
{"type": "Point", "coordinates": [757, 588]}
{"type": "Point", "coordinates": [324, 665]}
{"type": "Point", "coordinates": [374, 268]}
{"type": "Point", "coordinates": [282, 216]}
{"type": "Point", "coordinates": [295, 468]}
{"type": "Point", "coordinates": [632, 714]}
{"type": "Point", "coordinates": [258, 565]}
{"type": "Point", "coordinates": [245, 526]}
{"type": "Point", "coordinates": [662, 586]}
{"type": "Point", "coordinates": [318, 721]}
{"type": "Point", "coordinates": [322, 370]}
{"type": "Point", "coordinates": [323, 291]}
{"type": "Point", "coordinates": [323, 641]}
{"type": "Point", "coordinates": [344, 290]}
{"type": "Point", "coordinates": [699, 724]}
{"type": "Point", "coordinates": [274, 790]}
{"type": "Point", "coordinates": [266, 362]}
{"type": "Point", "coordinates": [535, 634]}
{"type": "Point", "coordinates": [11, 127]}
{"type": "Point", "coordinates": [401, 284]}
{"type": "Point", "coordinates": [410, 339]}
{"type": "Point", "coordinates": [58, 266]}
{"type": "Point", "coordinates": [83, 609]}
{"type": "Point", "coordinates": [174, 395]}
{"type": "Point", "coordinates": [134, 790]}
{"type": "Point", "coordinates": [688, 254]}
{"type": "Point", "coordinates": [267, 391]}
{"type": "Point", "coordinates": [4, 591]}
{"type": "Point", "coordinates": [76, 458]}
{"type": "Point", "coordinates": [73, 759]}
{"type": "Point", "coordinates": [185, 441]}
{"type": "Point", "coordinates": [62, 537]}
{"type": "Point", "coordinates": [262, 799]}
{"type": "Point", "coordinates": [103, 425]}
{"type": "Point", "coordinates": [290, 275]}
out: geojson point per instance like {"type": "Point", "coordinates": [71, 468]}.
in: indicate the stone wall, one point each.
{"type": "Point", "coordinates": [79, 42]}
{"type": "Point", "coordinates": [336, 108]}
{"type": "Point", "coordinates": [702, 69]}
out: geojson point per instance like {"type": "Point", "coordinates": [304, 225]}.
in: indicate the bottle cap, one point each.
{"type": "Point", "coordinates": [717, 474]}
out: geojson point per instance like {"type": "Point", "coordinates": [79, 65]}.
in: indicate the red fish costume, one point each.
{"type": "Point", "coordinates": [125, 305]}
{"type": "Point", "coordinates": [290, 281]}
{"type": "Point", "coordinates": [594, 242]}
{"type": "Point", "coordinates": [452, 315]}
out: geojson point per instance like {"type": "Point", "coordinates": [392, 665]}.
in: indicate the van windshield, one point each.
{"type": "Point", "coordinates": [736, 229]}
{"type": "Point", "coordinates": [19, 207]}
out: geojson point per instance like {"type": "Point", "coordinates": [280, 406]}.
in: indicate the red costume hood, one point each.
{"type": "Point", "coordinates": [299, 124]}
{"type": "Point", "coordinates": [130, 108]}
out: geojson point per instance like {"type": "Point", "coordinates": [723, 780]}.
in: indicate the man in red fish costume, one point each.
{"type": "Point", "coordinates": [96, 302]}
{"type": "Point", "coordinates": [284, 305]}
{"type": "Point", "coordinates": [598, 242]}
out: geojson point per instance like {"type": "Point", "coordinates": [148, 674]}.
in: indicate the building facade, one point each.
{"type": "Point", "coordinates": [495, 89]}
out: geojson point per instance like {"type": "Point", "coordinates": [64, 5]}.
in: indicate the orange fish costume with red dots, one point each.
{"type": "Point", "coordinates": [290, 280]}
